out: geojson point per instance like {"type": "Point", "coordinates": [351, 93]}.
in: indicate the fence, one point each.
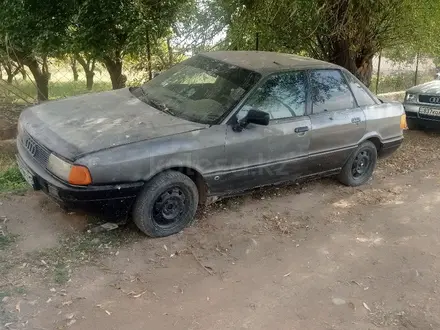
{"type": "Point", "coordinates": [390, 76]}
{"type": "Point", "coordinates": [67, 80]}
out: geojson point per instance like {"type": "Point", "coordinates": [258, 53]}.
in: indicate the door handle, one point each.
{"type": "Point", "coordinates": [355, 120]}
{"type": "Point", "coordinates": [301, 129]}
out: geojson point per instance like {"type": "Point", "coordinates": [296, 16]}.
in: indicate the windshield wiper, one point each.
{"type": "Point", "coordinates": [161, 106]}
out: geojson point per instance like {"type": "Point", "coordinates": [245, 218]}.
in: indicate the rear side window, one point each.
{"type": "Point", "coordinates": [330, 92]}
{"type": "Point", "coordinates": [362, 97]}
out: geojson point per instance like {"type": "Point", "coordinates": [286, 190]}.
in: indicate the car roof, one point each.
{"type": "Point", "coordinates": [268, 62]}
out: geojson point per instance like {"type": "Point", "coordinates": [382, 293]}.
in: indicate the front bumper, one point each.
{"type": "Point", "coordinates": [421, 120]}
{"type": "Point", "coordinates": [114, 199]}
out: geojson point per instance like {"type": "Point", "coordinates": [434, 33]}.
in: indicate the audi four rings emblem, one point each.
{"type": "Point", "coordinates": [31, 146]}
{"type": "Point", "coordinates": [434, 99]}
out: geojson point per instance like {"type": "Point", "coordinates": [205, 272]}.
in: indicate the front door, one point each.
{"type": "Point", "coordinates": [261, 155]}
{"type": "Point", "coordinates": [338, 124]}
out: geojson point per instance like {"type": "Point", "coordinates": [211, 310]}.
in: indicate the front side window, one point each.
{"type": "Point", "coordinates": [330, 92]}
{"type": "Point", "coordinates": [200, 89]}
{"type": "Point", "coordinates": [281, 96]}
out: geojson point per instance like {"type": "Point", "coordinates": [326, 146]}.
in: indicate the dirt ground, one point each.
{"type": "Point", "coordinates": [311, 256]}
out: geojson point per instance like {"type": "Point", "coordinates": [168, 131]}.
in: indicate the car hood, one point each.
{"type": "Point", "coordinates": [431, 88]}
{"type": "Point", "coordinates": [84, 124]}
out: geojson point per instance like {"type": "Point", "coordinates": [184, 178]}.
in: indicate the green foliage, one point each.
{"type": "Point", "coordinates": [34, 27]}
{"type": "Point", "coordinates": [11, 180]}
{"type": "Point", "coordinates": [345, 32]}
{"type": "Point", "coordinates": [122, 26]}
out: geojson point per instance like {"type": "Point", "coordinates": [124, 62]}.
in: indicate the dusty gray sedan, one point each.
{"type": "Point", "coordinates": [422, 106]}
{"type": "Point", "coordinates": [216, 125]}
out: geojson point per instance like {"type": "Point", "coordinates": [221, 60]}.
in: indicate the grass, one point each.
{"type": "Point", "coordinates": [57, 89]}
{"type": "Point", "coordinates": [80, 249]}
{"type": "Point", "coordinates": [61, 273]}
{"type": "Point", "coordinates": [11, 179]}
{"type": "Point", "coordinates": [6, 240]}
{"type": "Point", "coordinates": [13, 291]}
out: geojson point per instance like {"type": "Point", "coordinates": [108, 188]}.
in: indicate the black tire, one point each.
{"type": "Point", "coordinates": [167, 204]}
{"type": "Point", "coordinates": [360, 166]}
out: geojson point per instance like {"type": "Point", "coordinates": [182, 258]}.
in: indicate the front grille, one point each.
{"type": "Point", "coordinates": [35, 149]}
{"type": "Point", "coordinates": [431, 99]}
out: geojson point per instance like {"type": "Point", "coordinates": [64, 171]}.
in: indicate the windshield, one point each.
{"type": "Point", "coordinates": [200, 89]}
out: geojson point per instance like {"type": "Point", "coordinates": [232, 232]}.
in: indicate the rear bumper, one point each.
{"type": "Point", "coordinates": [109, 199]}
{"type": "Point", "coordinates": [389, 147]}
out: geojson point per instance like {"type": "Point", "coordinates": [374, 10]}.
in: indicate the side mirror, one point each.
{"type": "Point", "coordinates": [257, 117]}
{"type": "Point", "coordinates": [253, 116]}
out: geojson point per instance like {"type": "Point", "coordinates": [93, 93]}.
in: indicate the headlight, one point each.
{"type": "Point", "coordinates": [59, 167]}
{"type": "Point", "coordinates": [74, 174]}
{"type": "Point", "coordinates": [411, 98]}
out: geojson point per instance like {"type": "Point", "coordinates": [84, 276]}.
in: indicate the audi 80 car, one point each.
{"type": "Point", "coordinates": [422, 106]}
{"type": "Point", "coordinates": [215, 125]}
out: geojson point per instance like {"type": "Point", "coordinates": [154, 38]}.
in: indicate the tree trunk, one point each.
{"type": "Point", "coordinates": [89, 69]}
{"type": "Point", "coordinates": [359, 64]}
{"type": "Point", "coordinates": [41, 77]}
{"type": "Point", "coordinates": [89, 80]}
{"type": "Point", "coordinates": [74, 69]}
{"type": "Point", "coordinates": [170, 53]}
{"type": "Point", "coordinates": [150, 72]}
{"type": "Point", "coordinates": [365, 71]}
{"type": "Point", "coordinates": [114, 68]}
{"type": "Point", "coordinates": [23, 73]}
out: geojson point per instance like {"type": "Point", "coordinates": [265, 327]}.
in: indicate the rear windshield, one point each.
{"type": "Point", "coordinates": [200, 89]}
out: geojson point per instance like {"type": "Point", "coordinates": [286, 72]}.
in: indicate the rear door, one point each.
{"type": "Point", "coordinates": [338, 123]}
{"type": "Point", "coordinates": [261, 155]}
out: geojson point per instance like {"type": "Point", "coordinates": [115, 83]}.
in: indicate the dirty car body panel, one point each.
{"type": "Point", "coordinates": [189, 119]}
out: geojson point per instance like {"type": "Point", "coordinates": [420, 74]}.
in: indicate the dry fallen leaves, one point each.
{"type": "Point", "coordinates": [71, 322]}
{"type": "Point", "coordinates": [366, 307]}
{"type": "Point", "coordinates": [17, 307]}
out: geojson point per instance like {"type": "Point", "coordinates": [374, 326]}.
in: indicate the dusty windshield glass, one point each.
{"type": "Point", "coordinates": [200, 89]}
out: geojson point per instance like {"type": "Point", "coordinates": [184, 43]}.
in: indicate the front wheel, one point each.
{"type": "Point", "coordinates": [360, 166]}
{"type": "Point", "coordinates": [167, 204]}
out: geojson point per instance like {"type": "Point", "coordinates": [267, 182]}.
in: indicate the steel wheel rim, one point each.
{"type": "Point", "coordinates": [170, 207]}
{"type": "Point", "coordinates": [362, 164]}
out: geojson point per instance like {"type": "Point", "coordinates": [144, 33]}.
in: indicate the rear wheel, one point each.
{"type": "Point", "coordinates": [360, 166]}
{"type": "Point", "coordinates": [167, 204]}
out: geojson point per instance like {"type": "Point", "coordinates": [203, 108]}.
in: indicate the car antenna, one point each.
{"type": "Point", "coordinates": [277, 63]}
